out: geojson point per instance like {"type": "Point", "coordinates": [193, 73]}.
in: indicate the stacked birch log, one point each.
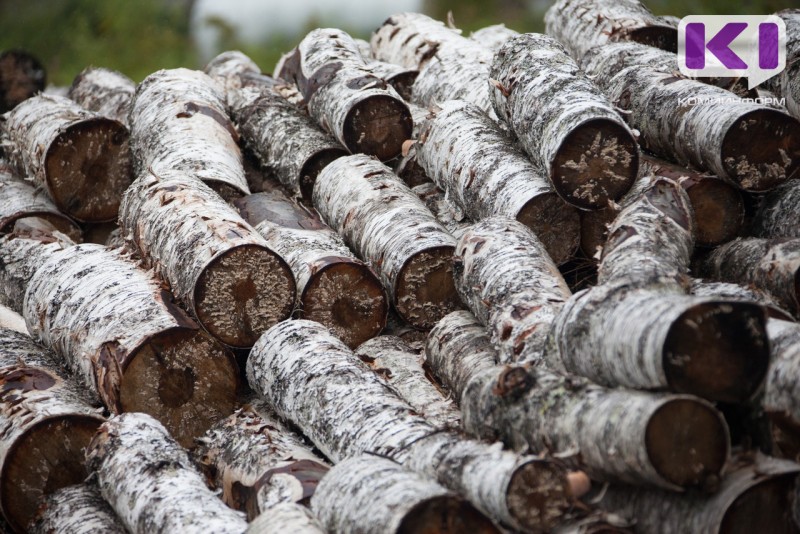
{"type": "Point", "coordinates": [342, 298]}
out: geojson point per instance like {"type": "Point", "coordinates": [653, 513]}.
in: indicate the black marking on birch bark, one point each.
{"type": "Point", "coordinates": [120, 332]}
{"type": "Point", "coordinates": [151, 483]}
{"type": "Point", "coordinates": [80, 158]}
{"type": "Point", "coordinates": [563, 121]}
{"type": "Point", "coordinates": [77, 509]}
{"type": "Point", "coordinates": [787, 83]}
{"type": "Point", "coordinates": [778, 213]}
{"type": "Point", "coordinates": [373, 495]}
{"type": "Point", "coordinates": [21, 77]}
{"type": "Point", "coordinates": [47, 421]}
{"type": "Point", "coordinates": [781, 400]}
{"type": "Point", "coordinates": [286, 517]}
{"type": "Point", "coordinates": [217, 265]}
{"type": "Point", "coordinates": [727, 290]}
{"type": "Point", "coordinates": [466, 154]}
{"type": "Point", "coordinates": [493, 37]}
{"type": "Point", "coordinates": [446, 212]}
{"type": "Point", "coordinates": [583, 24]}
{"type": "Point", "coordinates": [352, 411]}
{"type": "Point", "coordinates": [385, 223]}
{"type": "Point", "coordinates": [104, 91]}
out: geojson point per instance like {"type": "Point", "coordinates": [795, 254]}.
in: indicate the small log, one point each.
{"type": "Point", "coordinates": [286, 517]}
{"type": "Point", "coordinates": [78, 509]}
{"type": "Point", "coordinates": [781, 400]}
{"type": "Point", "coordinates": [217, 265]}
{"type": "Point", "coordinates": [778, 212]}
{"type": "Point", "coordinates": [374, 495]}
{"type": "Point", "coordinates": [345, 96]}
{"type": "Point", "coordinates": [104, 91]}
{"type": "Point", "coordinates": [563, 121]}
{"type": "Point", "coordinates": [80, 158]}
{"type": "Point", "coordinates": [446, 211]}
{"type": "Point", "coordinates": [493, 37]}
{"type": "Point", "coordinates": [47, 421]}
{"type": "Point", "coordinates": [21, 77]}
{"type": "Point", "coordinates": [385, 223]}
{"type": "Point", "coordinates": [11, 320]}
{"type": "Point", "coordinates": [150, 482]}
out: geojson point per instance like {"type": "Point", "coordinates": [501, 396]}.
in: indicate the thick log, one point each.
{"type": "Point", "coordinates": [727, 290]}
{"type": "Point", "coordinates": [493, 37]}
{"type": "Point", "coordinates": [333, 286]}
{"type": "Point", "coordinates": [787, 83]}
{"type": "Point", "coordinates": [345, 97]}
{"type": "Point", "coordinates": [104, 91]}
{"type": "Point", "coordinates": [286, 517]}
{"type": "Point", "coordinates": [150, 482]}
{"type": "Point", "coordinates": [47, 421]}
{"type": "Point", "coordinates": [385, 223]}
{"type": "Point", "coordinates": [80, 158]}
{"type": "Point", "coordinates": [78, 509]}
{"type": "Point", "coordinates": [217, 265]}
{"type": "Point", "coordinates": [118, 329]}
{"type": "Point", "coordinates": [21, 77]}
{"type": "Point", "coordinates": [11, 320]}
{"type": "Point", "coordinates": [563, 121]}
{"type": "Point", "coordinates": [374, 495]}
{"type": "Point", "coordinates": [781, 400]}
{"type": "Point", "coordinates": [353, 411]}
{"type": "Point", "coordinates": [450, 215]}
{"type": "Point", "coordinates": [466, 154]}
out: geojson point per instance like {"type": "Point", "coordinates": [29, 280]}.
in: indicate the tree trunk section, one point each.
{"type": "Point", "coordinates": [78, 509]}
{"type": "Point", "coordinates": [286, 517]}
{"type": "Point", "coordinates": [21, 77]}
{"type": "Point", "coordinates": [787, 83]}
{"type": "Point", "coordinates": [778, 212]}
{"type": "Point", "coordinates": [400, 78]}
{"type": "Point", "coordinates": [781, 400]}
{"type": "Point", "coordinates": [727, 290]}
{"type": "Point", "coordinates": [106, 92]}
{"type": "Point", "coordinates": [11, 320]}
{"type": "Point", "coordinates": [493, 37]}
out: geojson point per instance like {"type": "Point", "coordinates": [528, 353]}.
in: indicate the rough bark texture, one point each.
{"type": "Point", "coordinates": [385, 223]}
{"type": "Point", "coordinates": [727, 290]}
{"type": "Point", "coordinates": [179, 122]}
{"type": "Point", "coordinates": [563, 121]}
{"type": "Point", "coordinates": [778, 213]}
{"type": "Point", "coordinates": [11, 320]}
{"type": "Point", "coordinates": [493, 37]}
{"type": "Point", "coordinates": [466, 154]}
{"type": "Point", "coordinates": [150, 482]}
{"type": "Point", "coordinates": [374, 495]}
{"type": "Point", "coordinates": [787, 83]}
{"type": "Point", "coordinates": [104, 91]}
{"type": "Point", "coordinates": [781, 400]}
{"type": "Point", "coordinates": [80, 158]}
{"type": "Point", "coordinates": [286, 517]}
{"type": "Point", "coordinates": [21, 77]}
{"type": "Point", "coordinates": [258, 462]}
{"type": "Point", "coordinates": [118, 329]}
{"type": "Point", "coordinates": [78, 509]}
{"type": "Point", "coordinates": [46, 422]}
{"type": "Point", "coordinates": [333, 286]}
{"type": "Point", "coordinates": [311, 378]}
{"type": "Point", "coordinates": [345, 97]}
{"type": "Point", "coordinates": [217, 265]}
{"type": "Point", "coordinates": [445, 210]}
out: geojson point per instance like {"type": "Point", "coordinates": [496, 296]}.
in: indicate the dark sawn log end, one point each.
{"type": "Point", "coordinates": [377, 126]}
{"type": "Point", "coordinates": [425, 290]}
{"type": "Point", "coordinates": [445, 515]}
{"type": "Point", "coordinates": [556, 224]}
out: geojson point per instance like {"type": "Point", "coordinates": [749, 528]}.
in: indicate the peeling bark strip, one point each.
{"type": "Point", "coordinates": [78, 509]}
{"type": "Point", "coordinates": [150, 482]}
{"type": "Point", "coordinates": [465, 153]}
{"type": "Point", "coordinates": [446, 212]}
{"type": "Point", "coordinates": [402, 367]}
{"type": "Point", "coordinates": [778, 213]}
{"type": "Point", "coordinates": [46, 423]}
{"type": "Point", "coordinates": [286, 517]}
{"type": "Point", "coordinates": [333, 286]}
{"type": "Point", "coordinates": [257, 462]}
{"type": "Point", "coordinates": [345, 96]}
{"type": "Point", "coordinates": [563, 121]}
{"type": "Point", "coordinates": [493, 37]}
{"type": "Point", "coordinates": [754, 496]}
{"type": "Point", "coordinates": [506, 278]}
{"type": "Point", "coordinates": [80, 158]}
{"type": "Point", "coordinates": [179, 122]}
{"type": "Point", "coordinates": [781, 401]}
{"type": "Point", "coordinates": [583, 24]}
{"type": "Point", "coordinates": [104, 91]}
{"type": "Point", "coordinates": [21, 77]}
{"type": "Point", "coordinates": [669, 441]}
{"type": "Point", "coordinates": [217, 265]}
{"type": "Point", "coordinates": [120, 332]}
{"type": "Point", "coordinates": [391, 229]}
{"type": "Point", "coordinates": [311, 378]}
{"type": "Point", "coordinates": [373, 495]}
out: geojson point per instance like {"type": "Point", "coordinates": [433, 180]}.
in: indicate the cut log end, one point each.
{"type": "Point", "coordinates": [663, 37]}
{"type": "Point", "coordinates": [597, 162]}
{"type": "Point", "coordinates": [718, 210]}
{"type": "Point", "coordinates": [425, 291]}
{"type": "Point", "coordinates": [538, 495]}
{"type": "Point", "coordinates": [445, 515]}
{"type": "Point", "coordinates": [402, 82]}
{"type": "Point", "coordinates": [21, 77]}
{"type": "Point", "coordinates": [243, 292]}
{"type": "Point", "coordinates": [556, 224]}
{"type": "Point", "coordinates": [676, 424]}
{"type": "Point", "coordinates": [49, 457]}
{"type": "Point", "coordinates": [313, 166]}
{"type": "Point", "coordinates": [700, 361]}
{"type": "Point", "coordinates": [88, 169]}
{"type": "Point", "coordinates": [765, 507]}
{"type": "Point", "coordinates": [60, 223]}
{"type": "Point", "coordinates": [377, 126]}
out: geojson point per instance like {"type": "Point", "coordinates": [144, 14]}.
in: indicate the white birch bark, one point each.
{"type": "Point", "coordinates": [450, 215]}
{"type": "Point", "coordinates": [12, 320]}
{"type": "Point", "coordinates": [78, 509]}
{"type": "Point", "coordinates": [286, 517]}
{"type": "Point", "coordinates": [106, 92]}
{"type": "Point", "coordinates": [493, 37]}
{"type": "Point", "coordinates": [400, 78]}
{"type": "Point", "coordinates": [22, 77]}
{"type": "Point", "coordinates": [150, 482]}
{"type": "Point", "coordinates": [778, 213]}
{"type": "Point", "coordinates": [781, 387]}
{"type": "Point", "coordinates": [787, 83]}
{"type": "Point", "coordinates": [727, 290]}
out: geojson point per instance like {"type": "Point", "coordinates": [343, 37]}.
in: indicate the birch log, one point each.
{"type": "Point", "coordinates": [80, 158]}
{"type": "Point", "coordinates": [258, 462]}
{"type": "Point", "coordinates": [781, 401]}
{"type": "Point", "coordinates": [333, 286]}
{"type": "Point", "coordinates": [374, 495]}
{"type": "Point", "coordinates": [352, 411]}
{"type": "Point", "coordinates": [669, 441]}
{"type": "Point", "coordinates": [391, 229]}
{"type": "Point", "coordinates": [150, 482]}
{"type": "Point", "coordinates": [286, 517]}
{"type": "Point", "coordinates": [450, 215]}
{"type": "Point", "coordinates": [787, 83]}
{"type": "Point", "coordinates": [11, 320]}
{"type": "Point", "coordinates": [21, 77]}
{"type": "Point", "coordinates": [493, 37]}
{"type": "Point", "coordinates": [46, 422]}
{"type": "Point", "coordinates": [118, 329]}
{"type": "Point", "coordinates": [563, 121]}
{"type": "Point", "coordinates": [345, 97]}
{"type": "Point", "coordinates": [466, 154]}
{"type": "Point", "coordinates": [778, 212]}
{"type": "Point", "coordinates": [179, 122]}
{"type": "Point", "coordinates": [400, 78]}
{"type": "Point", "coordinates": [78, 509]}
{"type": "Point", "coordinates": [217, 265]}
{"type": "Point", "coordinates": [727, 290]}
{"type": "Point", "coordinates": [104, 91]}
